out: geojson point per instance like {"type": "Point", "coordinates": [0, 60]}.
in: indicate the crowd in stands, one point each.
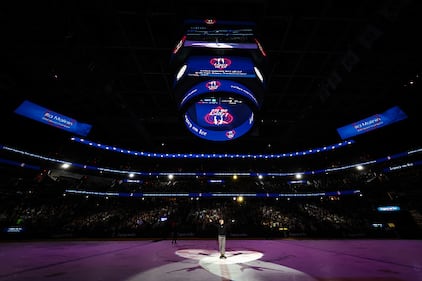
{"type": "Point", "coordinates": [93, 216]}
{"type": "Point", "coordinates": [45, 210]}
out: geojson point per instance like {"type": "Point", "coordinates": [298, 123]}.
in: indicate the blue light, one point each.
{"type": "Point", "coordinates": [225, 155]}
{"type": "Point", "coordinates": [101, 169]}
{"type": "Point", "coordinates": [388, 208]}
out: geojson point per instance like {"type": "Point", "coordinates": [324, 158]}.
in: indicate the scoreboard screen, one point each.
{"type": "Point", "coordinates": [221, 31]}
{"type": "Point", "coordinates": [219, 79]}
{"type": "Point", "coordinates": [223, 113]}
{"type": "Point", "coordinates": [220, 66]}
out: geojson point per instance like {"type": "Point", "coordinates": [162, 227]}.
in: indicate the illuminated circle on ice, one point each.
{"type": "Point", "coordinates": [206, 265]}
{"type": "Point", "coordinates": [207, 256]}
{"type": "Point", "coordinates": [195, 254]}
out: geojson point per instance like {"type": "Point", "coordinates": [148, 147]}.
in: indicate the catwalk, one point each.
{"type": "Point", "coordinates": [257, 260]}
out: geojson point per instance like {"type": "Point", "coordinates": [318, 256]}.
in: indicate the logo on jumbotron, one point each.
{"type": "Point", "coordinates": [213, 85]}
{"type": "Point", "coordinates": [230, 134]}
{"type": "Point", "coordinates": [210, 21]}
{"type": "Point", "coordinates": [220, 63]}
{"type": "Point", "coordinates": [218, 116]}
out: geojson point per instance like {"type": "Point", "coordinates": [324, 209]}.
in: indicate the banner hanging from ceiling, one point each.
{"type": "Point", "coordinates": [49, 117]}
{"type": "Point", "coordinates": [373, 122]}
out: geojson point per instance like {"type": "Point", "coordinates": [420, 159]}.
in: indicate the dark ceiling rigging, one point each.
{"type": "Point", "coordinates": [106, 63]}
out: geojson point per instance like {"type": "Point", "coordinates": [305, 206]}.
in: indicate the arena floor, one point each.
{"type": "Point", "coordinates": [257, 260]}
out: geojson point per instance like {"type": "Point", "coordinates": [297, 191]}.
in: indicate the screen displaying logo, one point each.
{"type": "Point", "coordinates": [219, 116]}
{"type": "Point", "coordinates": [230, 134]}
{"type": "Point", "coordinates": [220, 63]}
{"type": "Point", "coordinates": [219, 77]}
{"type": "Point", "coordinates": [213, 85]}
{"type": "Point", "coordinates": [234, 67]}
{"type": "Point", "coordinates": [210, 21]}
{"type": "Point", "coordinates": [219, 113]}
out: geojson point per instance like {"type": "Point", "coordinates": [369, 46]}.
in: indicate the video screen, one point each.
{"type": "Point", "coordinates": [224, 66]}
{"type": "Point", "coordinates": [220, 34]}
{"type": "Point", "coordinates": [219, 113]}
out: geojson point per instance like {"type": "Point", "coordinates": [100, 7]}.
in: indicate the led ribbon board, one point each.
{"type": "Point", "coordinates": [211, 87]}
{"type": "Point", "coordinates": [373, 122]}
{"type": "Point", "coordinates": [49, 117]}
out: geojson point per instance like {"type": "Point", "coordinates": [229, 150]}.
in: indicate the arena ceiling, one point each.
{"type": "Point", "coordinates": [106, 63]}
